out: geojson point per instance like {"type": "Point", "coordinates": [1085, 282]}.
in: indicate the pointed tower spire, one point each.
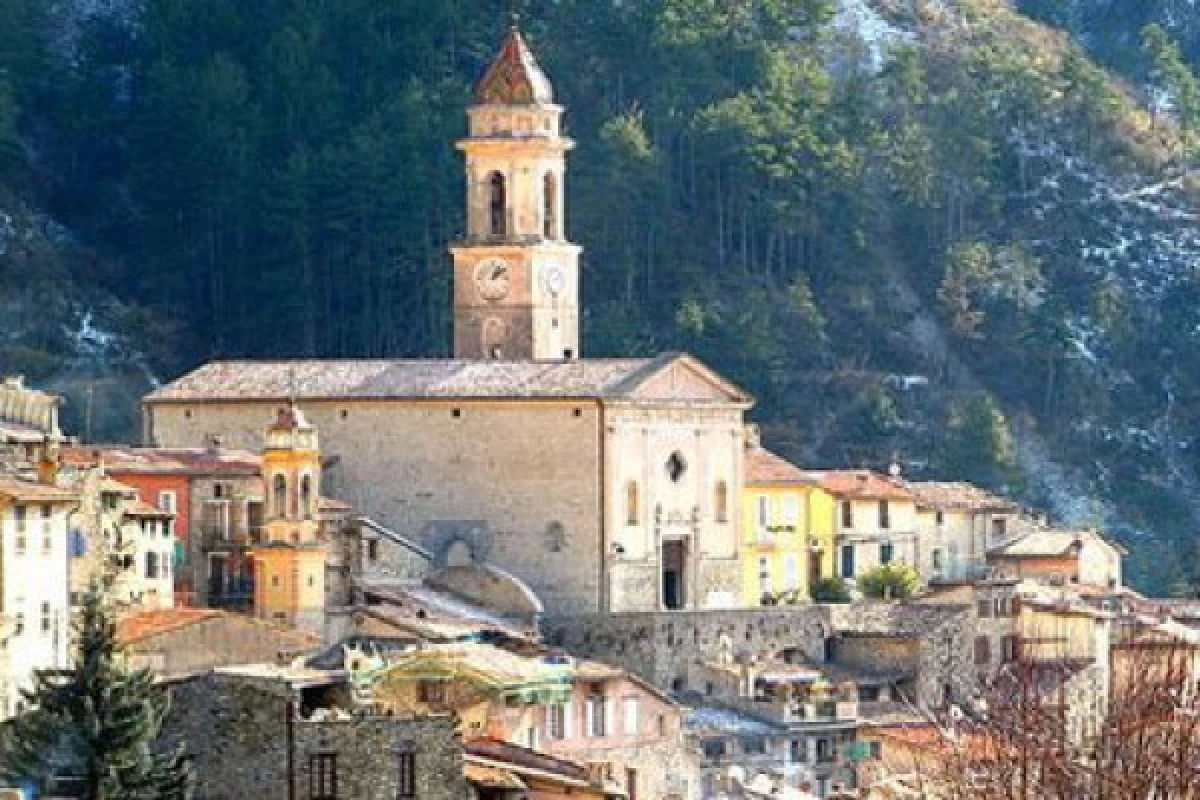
{"type": "Point", "coordinates": [514, 78]}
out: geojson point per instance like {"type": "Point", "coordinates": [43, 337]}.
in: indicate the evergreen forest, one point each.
{"type": "Point", "coordinates": [958, 236]}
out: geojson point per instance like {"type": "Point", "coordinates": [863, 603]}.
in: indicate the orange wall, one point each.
{"type": "Point", "coordinates": [150, 485]}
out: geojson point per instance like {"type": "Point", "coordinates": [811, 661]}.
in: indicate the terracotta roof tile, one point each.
{"type": "Point", "coordinates": [333, 504]}
{"type": "Point", "coordinates": [31, 492]}
{"type": "Point", "coordinates": [517, 758]}
{"type": "Point", "coordinates": [962, 496]}
{"type": "Point", "coordinates": [123, 460]}
{"type": "Point", "coordinates": [764, 467]}
{"type": "Point", "coordinates": [146, 624]}
{"type": "Point", "coordinates": [141, 509]}
{"type": "Point", "coordinates": [862, 484]}
{"type": "Point", "coordinates": [490, 777]}
{"type": "Point", "coordinates": [142, 625]}
{"type": "Point", "coordinates": [514, 77]}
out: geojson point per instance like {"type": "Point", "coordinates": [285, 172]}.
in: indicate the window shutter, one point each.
{"type": "Point", "coordinates": [569, 712]}
{"type": "Point", "coordinates": [609, 708]}
{"type": "Point", "coordinates": [589, 717]}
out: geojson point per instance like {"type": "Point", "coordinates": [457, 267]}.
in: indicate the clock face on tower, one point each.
{"type": "Point", "coordinates": [554, 280]}
{"type": "Point", "coordinates": [493, 278]}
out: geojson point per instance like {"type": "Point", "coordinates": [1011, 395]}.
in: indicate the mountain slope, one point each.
{"type": "Point", "coordinates": [926, 230]}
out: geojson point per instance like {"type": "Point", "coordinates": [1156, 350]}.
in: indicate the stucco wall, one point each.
{"type": "Point", "coordinates": [639, 442]}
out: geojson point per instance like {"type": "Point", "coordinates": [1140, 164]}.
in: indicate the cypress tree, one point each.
{"type": "Point", "coordinates": [95, 727]}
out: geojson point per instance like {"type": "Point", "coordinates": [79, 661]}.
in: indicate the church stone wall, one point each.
{"type": "Point", "coordinates": [518, 483]}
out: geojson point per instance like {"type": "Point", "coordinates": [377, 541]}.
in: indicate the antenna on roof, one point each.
{"type": "Point", "coordinates": [291, 386]}
{"type": "Point", "coordinates": [514, 14]}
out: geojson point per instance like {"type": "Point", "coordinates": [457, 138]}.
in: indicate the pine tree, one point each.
{"type": "Point", "coordinates": [96, 725]}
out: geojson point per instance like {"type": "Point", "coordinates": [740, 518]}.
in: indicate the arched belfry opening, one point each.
{"type": "Point", "coordinates": [550, 210]}
{"type": "Point", "coordinates": [280, 494]}
{"type": "Point", "coordinates": [498, 204]}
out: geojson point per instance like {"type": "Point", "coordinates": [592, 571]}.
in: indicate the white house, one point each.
{"type": "Point", "coordinates": [34, 584]}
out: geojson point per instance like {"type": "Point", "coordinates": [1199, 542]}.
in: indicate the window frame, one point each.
{"type": "Point", "coordinates": [721, 503]}
{"type": "Point", "coordinates": [323, 776]}
{"type": "Point", "coordinates": [406, 771]}
{"type": "Point", "coordinates": [982, 651]}
{"type": "Point", "coordinates": [633, 504]}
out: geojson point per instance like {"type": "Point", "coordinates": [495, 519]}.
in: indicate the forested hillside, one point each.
{"type": "Point", "coordinates": [933, 231]}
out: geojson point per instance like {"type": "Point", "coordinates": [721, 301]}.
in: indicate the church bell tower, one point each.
{"type": "Point", "coordinates": [516, 277]}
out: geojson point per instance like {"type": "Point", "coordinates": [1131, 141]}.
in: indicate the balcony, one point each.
{"type": "Point", "coordinates": [961, 573]}
{"type": "Point", "coordinates": [216, 539]}
{"type": "Point", "coordinates": [828, 711]}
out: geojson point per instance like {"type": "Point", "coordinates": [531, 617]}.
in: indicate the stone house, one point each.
{"type": "Point", "coordinates": [735, 747]}
{"type": "Point", "coordinates": [1060, 558]}
{"type": "Point", "coordinates": [35, 629]}
{"type": "Point", "coordinates": [956, 524]}
{"type": "Point", "coordinates": [816, 706]}
{"type": "Point", "coordinates": [290, 733]}
{"type": "Point", "coordinates": [605, 484]}
{"type": "Point", "coordinates": [617, 724]}
{"type": "Point", "coordinates": [876, 521]}
{"type": "Point", "coordinates": [788, 538]}
{"type": "Point", "coordinates": [190, 641]}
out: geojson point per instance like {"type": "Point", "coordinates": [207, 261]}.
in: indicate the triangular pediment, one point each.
{"type": "Point", "coordinates": [683, 378]}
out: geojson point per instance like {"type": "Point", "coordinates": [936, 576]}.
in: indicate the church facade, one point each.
{"type": "Point", "coordinates": [605, 484]}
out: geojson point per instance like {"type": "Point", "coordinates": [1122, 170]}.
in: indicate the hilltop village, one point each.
{"type": "Point", "coordinates": [524, 572]}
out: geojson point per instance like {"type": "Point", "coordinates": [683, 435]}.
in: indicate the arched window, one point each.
{"type": "Point", "coordinates": [306, 498]}
{"type": "Point", "coordinates": [498, 204]}
{"type": "Point", "coordinates": [279, 495]}
{"type": "Point", "coordinates": [722, 502]}
{"type": "Point", "coordinates": [550, 211]}
{"type": "Point", "coordinates": [633, 502]}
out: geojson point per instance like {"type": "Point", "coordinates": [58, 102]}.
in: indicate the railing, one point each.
{"type": "Point", "coordinates": [828, 711]}
{"type": "Point", "coordinates": [219, 537]}
{"type": "Point", "coordinates": [962, 573]}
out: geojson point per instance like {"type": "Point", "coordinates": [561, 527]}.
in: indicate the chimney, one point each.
{"type": "Point", "coordinates": [212, 442]}
{"type": "Point", "coordinates": [49, 460]}
{"type": "Point", "coordinates": [753, 436]}
{"type": "Point", "coordinates": [14, 382]}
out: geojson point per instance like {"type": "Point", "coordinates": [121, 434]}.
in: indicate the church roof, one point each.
{"type": "Point", "coordinates": [671, 377]}
{"type": "Point", "coordinates": [514, 78]}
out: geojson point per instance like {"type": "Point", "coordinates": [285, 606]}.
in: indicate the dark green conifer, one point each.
{"type": "Point", "coordinates": [94, 728]}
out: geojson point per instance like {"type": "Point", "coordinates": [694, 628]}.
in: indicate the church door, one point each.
{"type": "Point", "coordinates": [673, 575]}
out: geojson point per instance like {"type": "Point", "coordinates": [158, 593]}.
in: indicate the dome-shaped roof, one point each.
{"type": "Point", "coordinates": [514, 78]}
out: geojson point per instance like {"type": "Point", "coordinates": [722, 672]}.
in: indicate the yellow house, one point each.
{"type": "Point", "coordinates": [788, 535]}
